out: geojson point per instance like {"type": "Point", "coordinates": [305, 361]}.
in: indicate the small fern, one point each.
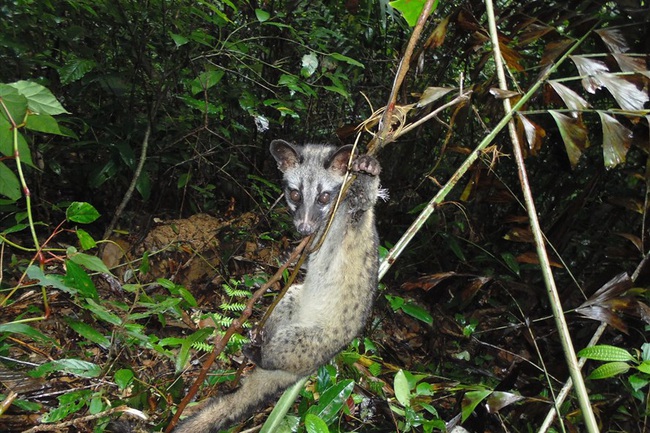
{"type": "Point", "coordinates": [232, 291]}
{"type": "Point", "coordinates": [202, 346]}
{"type": "Point", "coordinates": [235, 306]}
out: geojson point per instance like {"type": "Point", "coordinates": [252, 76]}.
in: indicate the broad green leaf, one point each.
{"type": "Point", "coordinates": [511, 261]}
{"type": "Point", "coordinates": [617, 140]}
{"type": "Point", "coordinates": [71, 366]}
{"type": "Point", "coordinates": [123, 378]}
{"type": "Point", "coordinates": [75, 69]}
{"type": "Point", "coordinates": [26, 330]}
{"type": "Point", "coordinates": [39, 99]}
{"type": "Point", "coordinates": [89, 262]}
{"type": "Point", "coordinates": [143, 185]}
{"type": "Point", "coordinates": [49, 280]}
{"type": "Point", "coordinates": [81, 212]}
{"type": "Point", "coordinates": [43, 123]}
{"type": "Point", "coordinates": [206, 80]}
{"type": "Point", "coordinates": [471, 399]}
{"type": "Point", "coordinates": [411, 9]}
{"type": "Point", "coordinates": [402, 390]}
{"type": "Point", "coordinates": [610, 369]}
{"type": "Point", "coordinates": [85, 240]}
{"type": "Point", "coordinates": [638, 381]}
{"type": "Point", "coordinates": [417, 312]}
{"type": "Point", "coordinates": [341, 91]}
{"type": "Point", "coordinates": [604, 352]}
{"type": "Point", "coordinates": [346, 59]}
{"type": "Point", "coordinates": [16, 104]}
{"type": "Point", "coordinates": [102, 313]}
{"type": "Point", "coordinates": [314, 424]}
{"type": "Point", "coordinates": [77, 278]}
{"type": "Point", "coordinates": [262, 15]}
{"type": "Point", "coordinates": [574, 134]}
{"type": "Point", "coordinates": [644, 367]}
{"type": "Point", "coordinates": [7, 143]}
{"type": "Point", "coordinates": [89, 333]}
{"type": "Point", "coordinates": [179, 40]}
{"type": "Point", "coordinates": [332, 401]}
{"type": "Point", "coordinates": [9, 183]}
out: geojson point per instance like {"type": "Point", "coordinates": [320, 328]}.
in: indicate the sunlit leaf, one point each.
{"type": "Point", "coordinates": [626, 93]}
{"type": "Point", "coordinates": [417, 312]}
{"type": "Point", "coordinates": [605, 352]}
{"type": "Point", "coordinates": [610, 369]}
{"type": "Point", "coordinates": [533, 133]}
{"type": "Point", "coordinates": [314, 424]}
{"type": "Point", "coordinates": [26, 330]}
{"type": "Point", "coordinates": [471, 399]}
{"type": "Point", "coordinates": [574, 135]}
{"type": "Point", "coordinates": [503, 94]}
{"type": "Point", "coordinates": [81, 212]}
{"type": "Point", "coordinates": [644, 367]}
{"type": "Point", "coordinates": [43, 123]}
{"type": "Point", "coordinates": [309, 64]}
{"type": "Point", "coordinates": [88, 332]}
{"type": "Point", "coordinates": [614, 40]}
{"type": "Point", "coordinates": [616, 140]}
{"type": "Point", "coordinates": [589, 68]}
{"type": "Point", "coordinates": [629, 63]}
{"type": "Point", "coordinates": [402, 390]}
{"type": "Point", "coordinates": [432, 94]}
{"type": "Point", "coordinates": [572, 100]}
{"type": "Point", "coordinates": [410, 9]}
{"type": "Point", "coordinates": [39, 98]}
{"type": "Point", "coordinates": [500, 399]}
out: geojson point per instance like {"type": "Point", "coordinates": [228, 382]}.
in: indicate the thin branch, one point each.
{"type": "Point", "coordinates": [554, 297]}
{"type": "Point", "coordinates": [134, 181]}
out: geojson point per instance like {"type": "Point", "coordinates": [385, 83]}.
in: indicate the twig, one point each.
{"type": "Point", "coordinates": [386, 121]}
{"type": "Point", "coordinates": [76, 421]}
{"type": "Point", "coordinates": [134, 181]}
{"type": "Point", "coordinates": [554, 297]}
{"type": "Point", "coordinates": [234, 327]}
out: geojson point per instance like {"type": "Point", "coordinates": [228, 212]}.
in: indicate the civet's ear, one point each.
{"type": "Point", "coordinates": [286, 154]}
{"type": "Point", "coordinates": [339, 160]}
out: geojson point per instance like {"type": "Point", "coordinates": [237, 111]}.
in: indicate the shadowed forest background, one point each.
{"type": "Point", "coordinates": [140, 208]}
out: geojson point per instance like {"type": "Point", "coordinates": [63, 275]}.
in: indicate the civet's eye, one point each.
{"type": "Point", "coordinates": [324, 198]}
{"type": "Point", "coordinates": [295, 195]}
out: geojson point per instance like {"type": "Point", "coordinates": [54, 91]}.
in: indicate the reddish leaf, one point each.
{"type": "Point", "coordinates": [603, 314]}
{"type": "Point", "coordinates": [520, 234]}
{"type": "Point", "coordinates": [511, 56]}
{"type": "Point", "coordinates": [473, 287]}
{"type": "Point", "coordinates": [574, 135]}
{"type": "Point", "coordinates": [554, 50]}
{"type": "Point", "coordinates": [629, 63]}
{"type": "Point", "coordinates": [533, 31]}
{"type": "Point", "coordinates": [614, 40]}
{"type": "Point", "coordinates": [532, 258]}
{"type": "Point", "coordinates": [589, 69]}
{"type": "Point", "coordinates": [533, 133]}
{"type": "Point", "coordinates": [638, 243]}
{"type": "Point", "coordinates": [616, 140]}
{"type": "Point", "coordinates": [428, 282]}
{"type": "Point", "coordinates": [572, 100]}
{"type": "Point", "coordinates": [438, 34]}
{"type": "Point", "coordinates": [626, 93]}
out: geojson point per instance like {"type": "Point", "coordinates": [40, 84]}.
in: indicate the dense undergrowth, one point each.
{"type": "Point", "coordinates": [139, 211]}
